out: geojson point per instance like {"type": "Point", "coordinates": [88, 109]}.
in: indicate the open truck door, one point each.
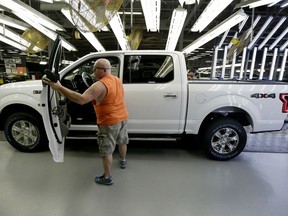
{"type": "Point", "coordinates": [54, 107]}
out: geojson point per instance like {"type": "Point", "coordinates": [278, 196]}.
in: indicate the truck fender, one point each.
{"type": "Point", "coordinates": [200, 111]}
{"type": "Point", "coordinates": [19, 98]}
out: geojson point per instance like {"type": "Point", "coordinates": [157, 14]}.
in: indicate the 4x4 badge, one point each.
{"type": "Point", "coordinates": [263, 95]}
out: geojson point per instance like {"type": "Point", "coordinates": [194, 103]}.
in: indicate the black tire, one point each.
{"type": "Point", "coordinates": [25, 132]}
{"type": "Point", "coordinates": [223, 139]}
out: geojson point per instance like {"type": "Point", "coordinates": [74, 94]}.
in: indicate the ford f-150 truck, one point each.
{"type": "Point", "coordinates": [162, 104]}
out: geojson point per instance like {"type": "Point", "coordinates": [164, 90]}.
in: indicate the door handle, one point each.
{"type": "Point", "coordinates": [169, 95]}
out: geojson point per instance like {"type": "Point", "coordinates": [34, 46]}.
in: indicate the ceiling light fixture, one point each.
{"type": "Point", "coordinates": [228, 23]}
{"type": "Point", "coordinates": [260, 32]}
{"type": "Point", "coordinates": [275, 2]}
{"type": "Point", "coordinates": [48, 1]}
{"type": "Point", "coordinates": [284, 46]}
{"type": "Point", "coordinates": [213, 9]}
{"type": "Point", "coordinates": [278, 39]}
{"type": "Point", "coordinates": [272, 32]}
{"type": "Point", "coordinates": [261, 3]}
{"type": "Point", "coordinates": [37, 20]}
{"type": "Point", "coordinates": [255, 22]}
{"type": "Point", "coordinates": [223, 38]}
{"type": "Point", "coordinates": [254, 3]}
{"type": "Point", "coordinates": [151, 10]}
{"type": "Point", "coordinates": [176, 26]}
{"type": "Point", "coordinates": [187, 2]}
{"type": "Point", "coordinates": [273, 63]}
{"type": "Point", "coordinates": [119, 32]}
{"type": "Point", "coordinates": [242, 24]}
{"type": "Point", "coordinates": [13, 36]}
{"type": "Point", "coordinates": [42, 62]}
{"type": "Point", "coordinates": [283, 65]}
{"type": "Point", "coordinates": [129, 13]}
{"type": "Point", "coordinates": [285, 4]}
{"type": "Point", "coordinates": [49, 33]}
{"type": "Point", "coordinates": [6, 20]}
{"type": "Point", "coordinates": [13, 43]}
{"type": "Point", "coordinates": [88, 35]}
{"type": "Point", "coordinates": [18, 7]}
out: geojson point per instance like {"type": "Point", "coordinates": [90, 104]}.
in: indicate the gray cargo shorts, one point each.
{"type": "Point", "coordinates": [109, 136]}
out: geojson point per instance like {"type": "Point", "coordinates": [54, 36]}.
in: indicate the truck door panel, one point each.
{"type": "Point", "coordinates": [152, 93]}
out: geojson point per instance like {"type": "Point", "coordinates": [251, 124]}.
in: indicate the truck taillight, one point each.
{"type": "Point", "coordinates": [284, 98]}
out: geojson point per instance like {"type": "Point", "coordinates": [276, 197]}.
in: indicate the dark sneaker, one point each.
{"type": "Point", "coordinates": [103, 180]}
{"type": "Point", "coordinates": [123, 164]}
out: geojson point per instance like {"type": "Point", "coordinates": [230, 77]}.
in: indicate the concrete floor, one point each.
{"type": "Point", "coordinates": [158, 181]}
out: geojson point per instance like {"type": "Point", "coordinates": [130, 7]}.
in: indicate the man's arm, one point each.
{"type": "Point", "coordinates": [93, 92]}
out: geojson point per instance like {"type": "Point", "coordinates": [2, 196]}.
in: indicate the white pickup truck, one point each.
{"type": "Point", "coordinates": [162, 104]}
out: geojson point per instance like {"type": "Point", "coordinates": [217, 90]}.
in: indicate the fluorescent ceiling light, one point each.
{"type": "Point", "coordinates": [118, 29]}
{"type": "Point", "coordinates": [187, 2]}
{"type": "Point", "coordinates": [256, 21]}
{"type": "Point", "coordinates": [272, 32]}
{"type": "Point", "coordinates": [176, 26]}
{"type": "Point", "coordinates": [285, 4]}
{"type": "Point", "coordinates": [37, 20]}
{"type": "Point", "coordinates": [249, 31]}
{"type": "Point", "coordinates": [275, 2]}
{"type": "Point", "coordinates": [260, 32]}
{"type": "Point", "coordinates": [284, 46]}
{"type": "Point", "coordinates": [43, 62]}
{"type": "Point", "coordinates": [19, 7]}
{"type": "Point", "coordinates": [151, 10]}
{"type": "Point", "coordinates": [88, 35]}
{"type": "Point", "coordinates": [223, 38]}
{"type": "Point", "coordinates": [242, 24]}
{"type": "Point", "coordinates": [67, 62]}
{"type": "Point", "coordinates": [48, 1]}
{"type": "Point", "coordinates": [254, 3]}
{"type": "Point", "coordinates": [213, 9]}
{"type": "Point", "coordinates": [13, 43]}
{"type": "Point", "coordinates": [49, 33]}
{"type": "Point", "coordinates": [6, 20]}
{"type": "Point", "coordinates": [228, 23]}
{"type": "Point", "coordinates": [261, 3]}
{"type": "Point", "coordinates": [278, 39]}
{"type": "Point", "coordinates": [129, 13]}
{"type": "Point", "coordinates": [14, 36]}
{"type": "Point", "coordinates": [11, 35]}
{"type": "Point", "coordinates": [105, 29]}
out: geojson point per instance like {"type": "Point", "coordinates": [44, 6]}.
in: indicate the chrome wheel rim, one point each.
{"type": "Point", "coordinates": [225, 140]}
{"type": "Point", "coordinates": [24, 133]}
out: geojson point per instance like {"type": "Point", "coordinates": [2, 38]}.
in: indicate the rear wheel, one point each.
{"type": "Point", "coordinates": [224, 139]}
{"type": "Point", "coordinates": [25, 132]}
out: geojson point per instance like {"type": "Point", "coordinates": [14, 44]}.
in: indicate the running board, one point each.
{"type": "Point", "coordinates": [130, 138]}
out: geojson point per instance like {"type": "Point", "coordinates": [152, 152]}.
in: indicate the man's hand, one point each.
{"type": "Point", "coordinates": [49, 79]}
{"type": "Point", "coordinates": [51, 76]}
{"type": "Point", "coordinates": [46, 81]}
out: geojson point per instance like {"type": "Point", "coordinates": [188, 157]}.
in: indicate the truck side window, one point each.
{"type": "Point", "coordinates": [73, 80]}
{"type": "Point", "coordinates": [148, 69]}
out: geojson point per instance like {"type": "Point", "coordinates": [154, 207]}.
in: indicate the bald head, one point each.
{"type": "Point", "coordinates": [103, 63]}
{"type": "Point", "coordinates": [102, 67]}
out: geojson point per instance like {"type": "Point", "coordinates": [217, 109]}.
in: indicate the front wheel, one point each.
{"type": "Point", "coordinates": [25, 132]}
{"type": "Point", "coordinates": [224, 139]}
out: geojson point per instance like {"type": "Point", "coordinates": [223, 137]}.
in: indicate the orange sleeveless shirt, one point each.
{"type": "Point", "coordinates": [112, 109]}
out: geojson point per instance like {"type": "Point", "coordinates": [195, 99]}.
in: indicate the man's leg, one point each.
{"type": "Point", "coordinates": [106, 178]}
{"type": "Point", "coordinates": [107, 164]}
{"type": "Point", "coordinates": [122, 148]}
{"type": "Point", "coordinates": [106, 148]}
